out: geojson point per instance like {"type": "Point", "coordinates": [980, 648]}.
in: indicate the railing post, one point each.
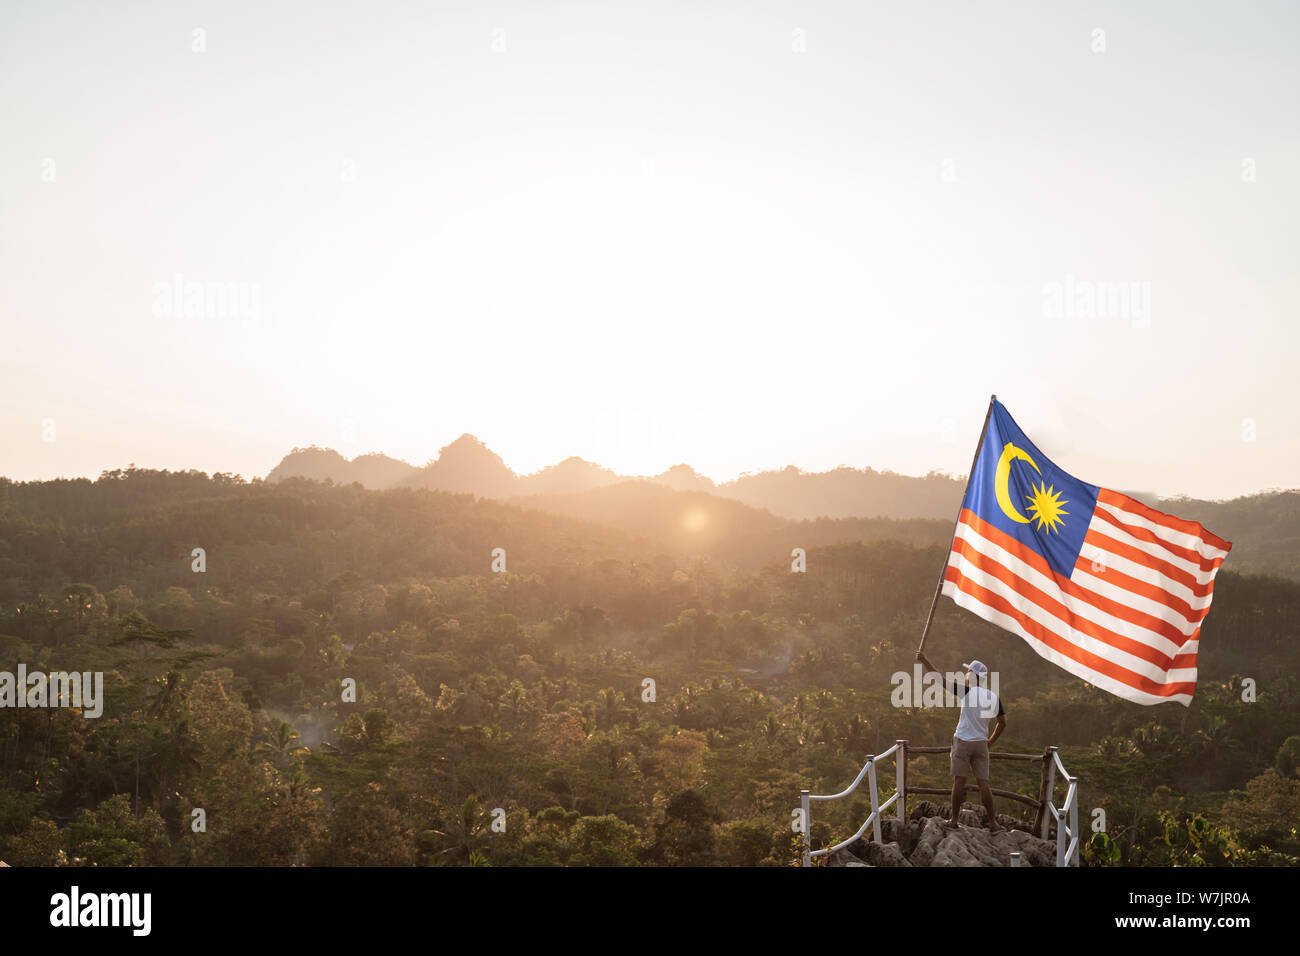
{"type": "Point", "coordinates": [806, 805]}
{"type": "Point", "coordinates": [1041, 819]}
{"type": "Point", "coordinates": [900, 780]}
{"type": "Point", "coordinates": [1073, 783]}
{"type": "Point", "coordinates": [1051, 784]}
{"type": "Point", "coordinates": [875, 798]}
{"type": "Point", "coordinates": [1066, 817]}
{"type": "Point", "coordinates": [1060, 835]}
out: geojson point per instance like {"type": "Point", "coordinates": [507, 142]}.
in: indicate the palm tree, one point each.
{"type": "Point", "coordinates": [856, 733]}
{"type": "Point", "coordinates": [517, 698]}
{"type": "Point", "coordinates": [282, 746]}
{"type": "Point", "coordinates": [1213, 739]}
{"type": "Point", "coordinates": [611, 702]}
{"type": "Point", "coordinates": [466, 825]}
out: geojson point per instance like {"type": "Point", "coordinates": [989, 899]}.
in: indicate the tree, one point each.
{"type": "Point", "coordinates": [686, 837]}
{"type": "Point", "coordinates": [144, 634]}
{"type": "Point", "coordinates": [282, 745]}
{"type": "Point", "coordinates": [1267, 813]}
{"type": "Point", "coordinates": [681, 758]}
{"type": "Point", "coordinates": [603, 841]}
{"type": "Point", "coordinates": [1288, 757]}
{"type": "Point", "coordinates": [746, 843]}
{"type": "Point", "coordinates": [112, 835]}
{"type": "Point", "coordinates": [365, 829]}
{"type": "Point", "coordinates": [40, 844]}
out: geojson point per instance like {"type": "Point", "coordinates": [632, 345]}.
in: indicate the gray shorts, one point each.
{"type": "Point", "coordinates": [968, 755]}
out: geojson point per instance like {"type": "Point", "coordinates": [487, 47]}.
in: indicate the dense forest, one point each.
{"type": "Point", "coordinates": [638, 679]}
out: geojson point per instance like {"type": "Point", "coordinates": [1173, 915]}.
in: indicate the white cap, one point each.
{"type": "Point", "coordinates": [976, 667]}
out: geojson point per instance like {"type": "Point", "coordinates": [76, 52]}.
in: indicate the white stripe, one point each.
{"type": "Point", "coordinates": [1149, 575]}
{"type": "Point", "coordinates": [1050, 622]}
{"type": "Point", "coordinates": [1116, 533]}
{"type": "Point", "coordinates": [1075, 606]}
{"type": "Point", "coordinates": [1189, 541]}
{"type": "Point", "coordinates": [1006, 622]}
{"type": "Point", "coordinates": [1100, 586]}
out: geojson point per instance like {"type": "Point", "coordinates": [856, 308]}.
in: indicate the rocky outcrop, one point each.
{"type": "Point", "coordinates": [923, 840]}
{"type": "Point", "coordinates": [322, 464]}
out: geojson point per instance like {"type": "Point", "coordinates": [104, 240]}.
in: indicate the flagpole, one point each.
{"type": "Point", "coordinates": [938, 588]}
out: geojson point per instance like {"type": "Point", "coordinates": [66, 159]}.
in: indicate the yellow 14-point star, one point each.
{"type": "Point", "coordinates": [1045, 506]}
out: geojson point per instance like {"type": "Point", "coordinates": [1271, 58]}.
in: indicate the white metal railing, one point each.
{"type": "Point", "coordinates": [1067, 834]}
{"type": "Point", "coordinates": [877, 808]}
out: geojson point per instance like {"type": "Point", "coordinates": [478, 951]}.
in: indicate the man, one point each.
{"type": "Point", "coordinates": [971, 742]}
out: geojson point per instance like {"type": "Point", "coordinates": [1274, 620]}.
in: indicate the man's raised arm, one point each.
{"type": "Point", "coordinates": [954, 686]}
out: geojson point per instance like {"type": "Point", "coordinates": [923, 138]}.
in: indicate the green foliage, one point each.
{"type": "Point", "coordinates": [1191, 840]}
{"type": "Point", "coordinates": [1101, 850]}
{"type": "Point", "coordinates": [522, 692]}
{"type": "Point", "coordinates": [1267, 813]}
{"type": "Point", "coordinates": [1288, 757]}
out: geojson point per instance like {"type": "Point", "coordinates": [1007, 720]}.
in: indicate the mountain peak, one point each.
{"type": "Point", "coordinates": [374, 470]}
{"type": "Point", "coordinates": [466, 440]}
{"type": "Point", "coordinates": [684, 478]}
{"type": "Point", "coordinates": [468, 466]}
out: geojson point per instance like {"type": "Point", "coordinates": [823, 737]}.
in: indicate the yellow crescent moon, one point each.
{"type": "Point", "coordinates": [1009, 454]}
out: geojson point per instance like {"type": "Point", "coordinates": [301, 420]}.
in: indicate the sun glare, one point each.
{"type": "Point", "coordinates": [695, 520]}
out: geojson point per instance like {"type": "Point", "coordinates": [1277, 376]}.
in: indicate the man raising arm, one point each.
{"type": "Point", "coordinates": [971, 741]}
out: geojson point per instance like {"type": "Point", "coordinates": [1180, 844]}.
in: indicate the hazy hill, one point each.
{"type": "Point", "coordinates": [683, 522]}
{"type": "Point", "coordinates": [848, 492]}
{"type": "Point", "coordinates": [695, 523]}
{"type": "Point", "coordinates": [570, 475]}
{"type": "Point", "coordinates": [1264, 528]}
{"type": "Point", "coordinates": [684, 478]}
{"type": "Point", "coordinates": [379, 471]}
{"type": "Point", "coordinates": [467, 465]}
{"type": "Point", "coordinates": [322, 464]}
{"type": "Point", "coordinates": [685, 510]}
{"type": "Point", "coordinates": [138, 527]}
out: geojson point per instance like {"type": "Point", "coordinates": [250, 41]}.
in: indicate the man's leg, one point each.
{"type": "Point", "coordinates": [986, 797]}
{"type": "Point", "coordinates": [958, 795]}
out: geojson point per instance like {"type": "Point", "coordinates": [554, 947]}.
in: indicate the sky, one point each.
{"type": "Point", "coordinates": [738, 235]}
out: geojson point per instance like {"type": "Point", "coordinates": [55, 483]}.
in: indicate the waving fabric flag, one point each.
{"type": "Point", "coordinates": [1097, 582]}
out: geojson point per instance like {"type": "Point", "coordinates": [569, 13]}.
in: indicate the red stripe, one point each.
{"type": "Point", "coordinates": [1035, 560]}
{"type": "Point", "coordinates": [1194, 528]}
{"type": "Point", "coordinates": [994, 568]}
{"type": "Point", "coordinates": [1144, 534]}
{"type": "Point", "coordinates": [1094, 663]}
{"type": "Point", "coordinates": [1141, 588]}
{"type": "Point", "coordinates": [1138, 556]}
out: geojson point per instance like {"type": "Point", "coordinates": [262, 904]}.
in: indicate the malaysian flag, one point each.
{"type": "Point", "coordinates": [1097, 582]}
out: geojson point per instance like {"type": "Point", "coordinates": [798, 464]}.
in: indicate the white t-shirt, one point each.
{"type": "Point", "coordinates": [979, 705]}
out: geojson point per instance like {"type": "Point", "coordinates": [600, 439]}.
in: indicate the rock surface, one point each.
{"type": "Point", "coordinates": [923, 840]}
